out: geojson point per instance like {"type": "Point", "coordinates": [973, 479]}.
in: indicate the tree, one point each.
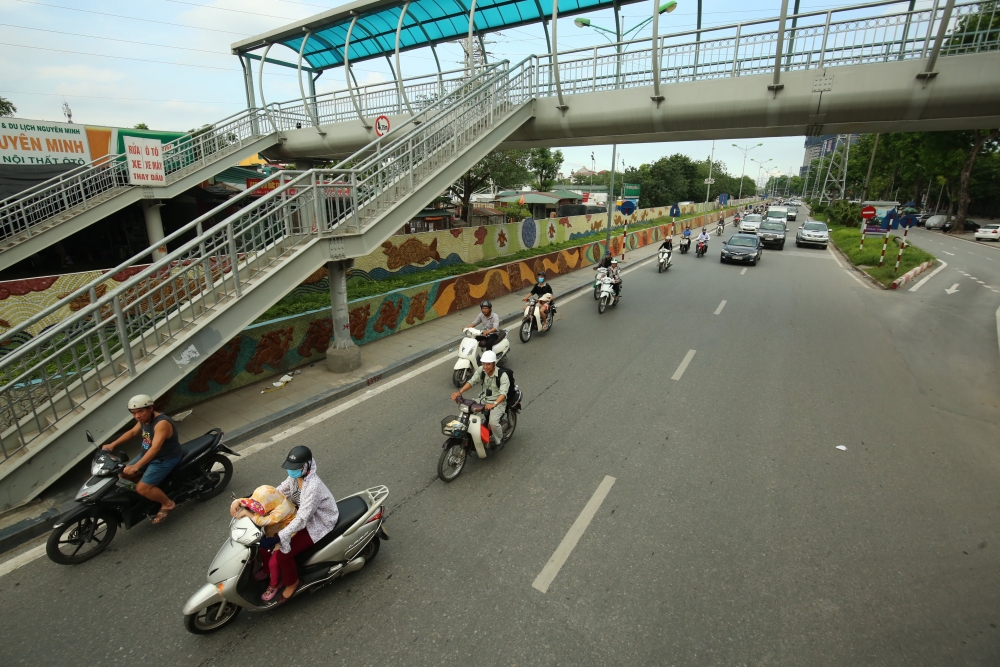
{"type": "Point", "coordinates": [545, 164]}
{"type": "Point", "coordinates": [7, 107]}
{"type": "Point", "coordinates": [141, 126]}
{"type": "Point", "coordinates": [501, 169]}
{"type": "Point", "coordinates": [981, 138]}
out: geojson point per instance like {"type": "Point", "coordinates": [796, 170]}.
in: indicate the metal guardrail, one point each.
{"type": "Point", "coordinates": [73, 363]}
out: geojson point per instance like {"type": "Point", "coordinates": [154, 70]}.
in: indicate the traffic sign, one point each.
{"type": "Point", "coordinates": [868, 212]}
{"type": "Point", "coordinates": [627, 207]}
{"type": "Point", "coordinates": [709, 181]}
{"type": "Point", "coordinates": [382, 125]}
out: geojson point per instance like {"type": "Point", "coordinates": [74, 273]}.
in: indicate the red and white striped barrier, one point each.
{"type": "Point", "coordinates": [910, 275]}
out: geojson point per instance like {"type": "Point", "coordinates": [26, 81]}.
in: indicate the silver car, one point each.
{"type": "Point", "coordinates": [812, 233]}
{"type": "Point", "coordinates": [750, 223]}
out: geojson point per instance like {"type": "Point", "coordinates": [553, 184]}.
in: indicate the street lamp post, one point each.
{"type": "Point", "coordinates": [581, 22]}
{"type": "Point", "coordinates": [743, 171]}
{"type": "Point", "coordinates": [760, 167]}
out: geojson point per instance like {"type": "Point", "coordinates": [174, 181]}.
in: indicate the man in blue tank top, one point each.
{"type": "Point", "coordinates": [161, 452]}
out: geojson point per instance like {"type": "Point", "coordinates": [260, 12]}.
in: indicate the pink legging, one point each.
{"type": "Point", "coordinates": [281, 566]}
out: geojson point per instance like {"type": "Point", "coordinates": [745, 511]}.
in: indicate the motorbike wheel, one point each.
{"type": "Point", "coordinates": [597, 292]}
{"type": "Point", "coordinates": [81, 540]}
{"type": "Point", "coordinates": [371, 550]}
{"type": "Point", "coordinates": [220, 477]}
{"type": "Point", "coordinates": [451, 463]}
{"type": "Point", "coordinates": [207, 620]}
{"type": "Point", "coordinates": [461, 376]}
{"type": "Point", "coordinates": [525, 331]}
{"type": "Point", "coordinates": [601, 305]}
{"type": "Point", "coordinates": [659, 267]}
{"type": "Point", "coordinates": [508, 431]}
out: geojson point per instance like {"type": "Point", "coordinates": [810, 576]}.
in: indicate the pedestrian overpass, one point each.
{"type": "Point", "coordinates": [932, 69]}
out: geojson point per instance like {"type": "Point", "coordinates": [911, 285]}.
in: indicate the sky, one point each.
{"type": "Point", "coordinates": [167, 63]}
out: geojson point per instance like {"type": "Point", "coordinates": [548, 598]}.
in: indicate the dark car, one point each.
{"type": "Point", "coordinates": [771, 233]}
{"type": "Point", "coordinates": [970, 226]}
{"type": "Point", "coordinates": [742, 248]}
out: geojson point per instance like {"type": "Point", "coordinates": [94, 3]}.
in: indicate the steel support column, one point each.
{"type": "Point", "coordinates": [776, 84]}
{"type": "Point", "coordinates": [657, 97]}
{"type": "Point", "coordinates": [472, 25]}
{"type": "Point", "coordinates": [342, 356]}
{"type": "Point", "coordinates": [348, 75]}
{"type": "Point", "coordinates": [555, 55]}
{"type": "Point", "coordinates": [399, 68]}
{"type": "Point", "coordinates": [305, 103]}
{"type": "Point", "coordinates": [929, 72]}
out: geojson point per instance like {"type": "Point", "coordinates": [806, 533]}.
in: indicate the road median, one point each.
{"type": "Point", "coordinates": [848, 242]}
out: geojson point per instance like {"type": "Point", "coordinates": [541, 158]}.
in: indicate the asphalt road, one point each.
{"type": "Point", "coordinates": [735, 533]}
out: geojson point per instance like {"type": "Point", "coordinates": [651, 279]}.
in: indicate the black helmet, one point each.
{"type": "Point", "coordinates": [298, 458]}
{"type": "Point", "coordinates": [543, 274]}
{"type": "Point", "coordinates": [486, 304]}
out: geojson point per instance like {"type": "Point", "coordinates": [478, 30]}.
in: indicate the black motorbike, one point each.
{"type": "Point", "coordinates": [685, 244]}
{"type": "Point", "coordinates": [107, 501]}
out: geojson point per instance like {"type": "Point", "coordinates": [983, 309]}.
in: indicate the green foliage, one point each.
{"type": "Point", "coordinates": [140, 126]}
{"type": "Point", "coordinates": [516, 212]}
{"type": "Point", "coordinates": [7, 107]}
{"type": "Point", "coordinates": [842, 212]}
{"type": "Point", "coordinates": [501, 169]}
{"type": "Point", "coordinates": [848, 240]}
{"type": "Point", "coordinates": [679, 178]}
{"type": "Point", "coordinates": [544, 164]}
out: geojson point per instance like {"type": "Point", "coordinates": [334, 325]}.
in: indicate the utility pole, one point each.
{"type": "Point", "coordinates": [868, 177]}
{"type": "Point", "coordinates": [711, 162]}
{"type": "Point", "coordinates": [611, 195]}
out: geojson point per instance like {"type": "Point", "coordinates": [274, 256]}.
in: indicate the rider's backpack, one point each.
{"type": "Point", "coordinates": [515, 399]}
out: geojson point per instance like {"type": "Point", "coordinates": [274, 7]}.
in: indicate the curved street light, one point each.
{"type": "Point", "coordinates": [743, 172]}
{"type": "Point", "coordinates": [581, 22]}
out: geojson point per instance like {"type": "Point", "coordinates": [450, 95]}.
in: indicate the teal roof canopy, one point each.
{"type": "Point", "coordinates": [426, 22]}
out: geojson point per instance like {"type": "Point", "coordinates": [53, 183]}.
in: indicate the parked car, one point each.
{"type": "Point", "coordinates": [922, 219]}
{"type": "Point", "coordinates": [742, 248]}
{"type": "Point", "coordinates": [750, 223]}
{"type": "Point", "coordinates": [772, 233]}
{"type": "Point", "coordinates": [988, 233]}
{"type": "Point", "coordinates": [970, 225]}
{"type": "Point", "coordinates": [812, 233]}
{"type": "Point", "coordinates": [935, 221]}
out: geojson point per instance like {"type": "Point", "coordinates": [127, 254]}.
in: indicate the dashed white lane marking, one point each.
{"type": "Point", "coordinates": [25, 558]}
{"type": "Point", "coordinates": [684, 364]}
{"type": "Point", "coordinates": [933, 273]}
{"type": "Point", "coordinates": [721, 306]}
{"type": "Point", "coordinates": [743, 271]}
{"type": "Point", "coordinates": [576, 531]}
{"type": "Point", "coordinates": [948, 253]}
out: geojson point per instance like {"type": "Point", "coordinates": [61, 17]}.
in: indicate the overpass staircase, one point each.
{"type": "Point", "coordinates": [148, 332]}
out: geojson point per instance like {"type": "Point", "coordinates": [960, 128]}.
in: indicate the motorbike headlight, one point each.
{"type": "Point", "coordinates": [96, 468]}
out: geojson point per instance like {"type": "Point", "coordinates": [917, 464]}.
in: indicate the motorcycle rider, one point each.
{"type": "Point", "coordinates": [704, 236]}
{"type": "Point", "coordinates": [489, 323]}
{"type": "Point", "coordinates": [615, 274]}
{"type": "Point", "coordinates": [496, 387]}
{"type": "Point", "coordinates": [161, 452]}
{"type": "Point", "coordinates": [668, 244]}
{"type": "Point", "coordinates": [541, 289]}
{"type": "Point", "coordinates": [315, 516]}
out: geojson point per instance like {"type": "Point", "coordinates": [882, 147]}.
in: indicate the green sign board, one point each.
{"type": "Point", "coordinates": [631, 191]}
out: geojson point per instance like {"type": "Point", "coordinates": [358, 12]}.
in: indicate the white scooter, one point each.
{"type": "Point", "coordinates": [470, 432]}
{"type": "Point", "coordinates": [601, 272]}
{"type": "Point", "coordinates": [608, 296]}
{"type": "Point", "coordinates": [232, 585]}
{"type": "Point", "coordinates": [664, 260]}
{"type": "Point", "coordinates": [469, 352]}
{"type": "Point", "coordinates": [533, 317]}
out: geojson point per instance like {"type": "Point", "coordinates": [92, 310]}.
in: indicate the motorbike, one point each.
{"type": "Point", "coordinates": [232, 587]}
{"type": "Point", "coordinates": [470, 431]}
{"type": "Point", "coordinates": [107, 502]}
{"type": "Point", "coordinates": [533, 316]}
{"type": "Point", "coordinates": [664, 260]}
{"type": "Point", "coordinates": [470, 350]}
{"type": "Point", "coordinates": [601, 271]}
{"type": "Point", "coordinates": [701, 249]}
{"type": "Point", "coordinates": [685, 244]}
{"type": "Point", "coordinates": [718, 228]}
{"type": "Point", "coordinates": [608, 296]}
{"type": "Point", "coordinates": [736, 222]}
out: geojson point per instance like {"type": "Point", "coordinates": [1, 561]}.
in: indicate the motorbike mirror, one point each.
{"type": "Point", "coordinates": [90, 438]}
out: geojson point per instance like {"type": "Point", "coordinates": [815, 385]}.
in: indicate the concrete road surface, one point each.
{"type": "Point", "coordinates": [733, 532]}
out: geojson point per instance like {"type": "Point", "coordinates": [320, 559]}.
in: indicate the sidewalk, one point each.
{"type": "Point", "coordinates": [247, 412]}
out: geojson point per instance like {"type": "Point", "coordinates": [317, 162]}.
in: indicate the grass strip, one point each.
{"type": "Point", "coordinates": [359, 288]}
{"type": "Point", "coordinates": [848, 239]}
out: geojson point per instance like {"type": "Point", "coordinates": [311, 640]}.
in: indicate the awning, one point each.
{"type": "Point", "coordinates": [531, 198]}
{"type": "Point", "coordinates": [426, 22]}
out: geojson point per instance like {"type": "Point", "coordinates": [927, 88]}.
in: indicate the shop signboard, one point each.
{"type": "Point", "coordinates": [40, 142]}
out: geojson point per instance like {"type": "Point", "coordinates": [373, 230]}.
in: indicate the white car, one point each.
{"type": "Point", "coordinates": [988, 233]}
{"type": "Point", "coordinates": [750, 223]}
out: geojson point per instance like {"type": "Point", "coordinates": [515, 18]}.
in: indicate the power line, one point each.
{"type": "Point", "coordinates": [131, 18]}
{"type": "Point", "coordinates": [226, 9]}
{"type": "Point", "coordinates": [115, 39]}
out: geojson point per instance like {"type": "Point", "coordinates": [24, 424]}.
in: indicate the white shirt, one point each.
{"type": "Point", "coordinates": [704, 236]}
{"type": "Point", "coordinates": [317, 508]}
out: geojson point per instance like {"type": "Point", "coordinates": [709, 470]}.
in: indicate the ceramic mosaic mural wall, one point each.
{"type": "Point", "coordinates": [272, 348]}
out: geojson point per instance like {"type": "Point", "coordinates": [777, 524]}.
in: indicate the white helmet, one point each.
{"type": "Point", "coordinates": [489, 357]}
{"type": "Point", "coordinates": [140, 401]}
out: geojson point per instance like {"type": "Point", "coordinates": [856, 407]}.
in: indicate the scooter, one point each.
{"type": "Point", "coordinates": [469, 351]}
{"type": "Point", "coordinates": [701, 249]}
{"type": "Point", "coordinates": [664, 260]}
{"type": "Point", "coordinates": [232, 587]}
{"type": "Point", "coordinates": [718, 228]}
{"type": "Point", "coordinates": [107, 502]}
{"type": "Point", "coordinates": [608, 296]}
{"type": "Point", "coordinates": [685, 244]}
{"type": "Point", "coordinates": [470, 431]}
{"type": "Point", "coordinates": [601, 272]}
{"type": "Point", "coordinates": [533, 317]}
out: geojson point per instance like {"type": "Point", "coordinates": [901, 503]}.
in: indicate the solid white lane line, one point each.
{"type": "Point", "coordinates": [684, 364]}
{"type": "Point", "coordinates": [25, 558]}
{"type": "Point", "coordinates": [337, 409]}
{"type": "Point", "coordinates": [721, 306]}
{"type": "Point", "coordinates": [998, 326]}
{"type": "Point", "coordinates": [743, 271]}
{"type": "Point", "coordinates": [933, 273]}
{"type": "Point", "coordinates": [834, 255]}
{"type": "Point", "coordinates": [565, 548]}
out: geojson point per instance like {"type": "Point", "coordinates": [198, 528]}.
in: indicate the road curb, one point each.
{"type": "Point", "coordinates": [911, 274]}
{"type": "Point", "coordinates": [858, 270]}
{"type": "Point", "coordinates": [29, 528]}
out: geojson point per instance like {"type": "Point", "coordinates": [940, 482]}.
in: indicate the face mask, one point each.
{"type": "Point", "coordinates": [541, 280]}
{"type": "Point", "coordinates": [295, 474]}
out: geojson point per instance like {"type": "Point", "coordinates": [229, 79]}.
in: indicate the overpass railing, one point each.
{"type": "Point", "coordinates": [113, 328]}
{"type": "Point", "coordinates": [90, 184]}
